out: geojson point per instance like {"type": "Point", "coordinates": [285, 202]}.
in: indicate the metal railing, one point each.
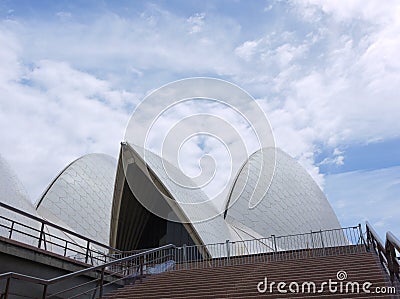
{"type": "Point", "coordinates": [312, 244]}
{"type": "Point", "coordinates": [115, 272]}
{"type": "Point", "coordinates": [173, 258]}
{"type": "Point", "coordinates": [51, 237]}
{"type": "Point", "coordinates": [388, 252]}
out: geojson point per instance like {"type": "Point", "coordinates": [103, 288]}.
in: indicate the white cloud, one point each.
{"type": "Point", "coordinates": [331, 86]}
{"type": "Point", "coordinates": [52, 114]}
{"type": "Point", "coordinates": [9, 52]}
{"type": "Point", "coordinates": [337, 160]}
{"type": "Point", "coordinates": [268, 7]}
{"type": "Point", "coordinates": [63, 14]}
{"type": "Point", "coordinates": [196, 22]}
{"type": "Point", "coordinates": [328, 79]}
{"type": "Point", "coordinates": [378, 12]}
{"type": "Point", "coordinates": [247, 49]}
{"type": "Point", "coordinates": [112, 44]}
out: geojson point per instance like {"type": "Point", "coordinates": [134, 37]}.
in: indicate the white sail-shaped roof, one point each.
{"type": "Point", "coordinates": [80, 197]}
{"type": "Point", "coordinates": [292, 204]}
{"type": "Point", "coordinates": [13, 193]}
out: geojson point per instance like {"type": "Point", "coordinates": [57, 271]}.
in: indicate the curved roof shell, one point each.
{"type": "Point", "coordinates": [13, 193]}
{"type": "Point", "coordinates": [80, 197]}
{"type": "Point", "coordinates": [12, 190]}
{"type": "Point", "coordinates": [292, 204]}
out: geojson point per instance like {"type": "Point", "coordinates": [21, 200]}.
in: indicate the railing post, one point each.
{"type": "Point", "coordinates": [11, 229]}
{"type": "Point", "coordinates": [44, 291]}
{"type": "Point", "coordinates": [389, 250]}
{"type": "Point", "coordinates": [65, 248]}
{"type": "Point", "coordinates": [41, 235]}
{"type": "Point", "coordinates": [184, 255]}
{"type": "Point", "coordinates": [175, 256]}
{"type": "Point", "coordinates": [370, 239]}
{"type": "Point", "coordinates": [391, 260]}
{"type": "Point", "coordinates": [322, 241]}
{"type": "Point", "coordinates": [312, 240]}
{"type": "Point", "coordinates": [361, 235]}
{"type": "Point", "coordinates": [101, 282]}
{"type": "Point", "coordinates": [227, 250]}
{"type": "Point", "coordinates": [87, 252]}
{"type": "Point", "coordinates": [274, 243]}
{"type": "Point", "coordinates": [144, 268]}
{"type": "Point", "coordinates": [7, 288]}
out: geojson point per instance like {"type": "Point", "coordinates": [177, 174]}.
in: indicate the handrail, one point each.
{"type": "Point", "coordinates": [377, 244]}
{"type": "Point", "coordinates": [374, 234]}
{"type": "Point", "coordinates": [46, 222]}
{"type": "Point", "coordinates": [128, 258]}
{"type": "Point", "coordinates": [392, 244]}
{"type": "Point", "coordinates": [286, 236]}
{"type": "Point", "coordinates": [23, 277]}
{"type": "Point", "coordinates": [80, 272]}
{"type": "Point", "coordinates": [392, 239]}
{"type": "Point", "coordinates": [386, 251]}
{"type": "Point", "coordinates": [99, 268]}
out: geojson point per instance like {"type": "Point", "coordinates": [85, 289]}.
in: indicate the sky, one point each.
{"type": "Point", "coordinates": [326, 74]}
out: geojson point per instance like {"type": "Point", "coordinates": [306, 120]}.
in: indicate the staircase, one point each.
{"type": "Point", "coordinates": [335, 263]}
{"type": "Point", "coordinates": [241, 280]}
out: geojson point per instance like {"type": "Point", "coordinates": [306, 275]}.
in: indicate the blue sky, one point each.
{"type": "Point", "coordinates": [327, 74]}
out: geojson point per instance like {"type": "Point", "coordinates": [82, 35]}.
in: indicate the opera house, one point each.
{"type": "Point", "coordinates": [142, 226]}
{"type": "Point", "coordinates": [138, 227]}
{"type": "Point", "coordinates": [112, 201]}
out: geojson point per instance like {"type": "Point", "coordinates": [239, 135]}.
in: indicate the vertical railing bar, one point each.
{"type": "Point", "coordinates": [44, 291]}
{"type": "Point", "coordinates": [184, 248]}
{"type": "Point", "coordinates": [253, 252]}
{"type": "Point", "coordinates": [222, 250]}
{"type": "Point", "coordinates": [322, 242]}
{"type": "Point", "coordinates": [354, 242]}
{"type": "Point", "coordinates": [299, 246]}
{"type": "Point", "coordinates": [293, 246]}
{"type": "Point", "coordinates": [363, 245]}
{"type": "Point", "coordinates": [346, 240]}
{"type": "Point", "coordinates": [250, 252]}
{"type": "Point", "coordinates": [337, 241]}
{"type": "Point", "coordinates": [331, 245]}
{"type": "Point", "coordinates": [302, 246]}
{"type": "Point", "coordinates": [227, 252]}
{"type": "Point", "coordinates": [350, 238]}
{"type": "Point", "coordinates": [41, 234]}
{"type": "Point", "coordinates": [359, 239]}
{"type": "Point", "coordinates": [101, 283]}
{"type": "Point", "coordinates": [312, 240]}
{"type": "Point", "coordinates": [65, 248]}
{"type": "Point", "coordinates": [343, 248]}
{"type": "Point", "coordinates": [7, 288]}
{"type": "Point", "coordinates": [11, 229]}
